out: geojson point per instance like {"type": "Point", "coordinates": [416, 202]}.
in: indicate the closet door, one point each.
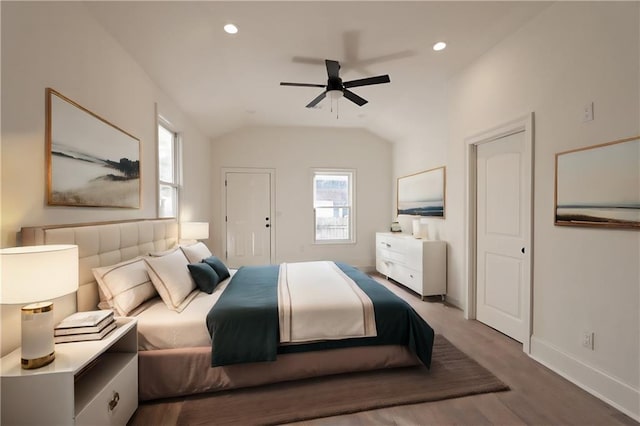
{"type": "Point", "coordinates": [502, 258]}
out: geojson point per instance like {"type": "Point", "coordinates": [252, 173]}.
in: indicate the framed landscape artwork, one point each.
{"type": "Point", "coordinates": [599, 185]}
{"type": "Point", "coordinates": [90, 162]}
{"type": "Point", "coordinates": [422, 194]}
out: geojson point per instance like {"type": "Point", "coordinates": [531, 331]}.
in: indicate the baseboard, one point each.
{"type": "Point", "coordinates": [598, 383]}
{"type": "Point", "coordinates": [368, 269]}
{"type": "Point", "coordinates": [455, 302]}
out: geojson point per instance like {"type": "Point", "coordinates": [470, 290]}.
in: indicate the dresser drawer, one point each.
{"type": "Point", "coordinates": [391, 242]}
{"type": "Point", "coordinates": [413, 256]}
{"type": "Point", "coordinates": [382, 266]}
{"type": "Point", "coordinates": [410, 278]}
{"type": "Point", "coordinates": [390, 255]}
{"type": "Point", "coordinates": [391, 248]}
{"type": "Point", "coordinates": [116, 402]}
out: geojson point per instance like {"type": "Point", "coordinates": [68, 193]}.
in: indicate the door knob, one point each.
{"type": "Point", "coordinates": [267, 225]}
{"type": "Point", "coordinates": [522, 250]}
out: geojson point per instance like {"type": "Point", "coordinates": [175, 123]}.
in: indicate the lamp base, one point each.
{"type": "Point", "coordinates": [29, 364]}
{"type": "Point", "coordinates": [38, 348]}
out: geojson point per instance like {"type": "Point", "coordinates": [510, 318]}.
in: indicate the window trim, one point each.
{"type": "Point", "coordinates": [352, 206]}
{"type": "Point", "coordinates": [177, 162]}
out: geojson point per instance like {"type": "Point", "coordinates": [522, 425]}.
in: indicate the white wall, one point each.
{"type": "Point", "coordinates": [585, 279]}
{"type": "Point", "coordinates": [425, 148]}
{"type": "Point", "coordinates": [292, 152]}
{"type": "Point", "coordinates": [60, 45]}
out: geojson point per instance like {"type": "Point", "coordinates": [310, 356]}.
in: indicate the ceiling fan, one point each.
{"type": "Point", "coordinates": [335, 87]}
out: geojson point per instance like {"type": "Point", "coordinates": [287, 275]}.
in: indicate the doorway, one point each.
{"type": "Point", "coordinates": [499, 222]}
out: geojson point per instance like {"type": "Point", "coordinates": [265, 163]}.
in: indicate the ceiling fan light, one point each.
{"type": "Point", "coordinates": [230, 29]}
{"type": "Point", "coordinates": [439, 46]}
{"type": "Point", "coordinates": [334, 94]}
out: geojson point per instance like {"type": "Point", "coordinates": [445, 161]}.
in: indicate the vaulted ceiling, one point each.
{"type": "Point", "coordinates": [224, 82]}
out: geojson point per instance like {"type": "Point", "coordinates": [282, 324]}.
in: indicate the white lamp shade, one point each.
{"type": "Point", "coordinates": [194, 230]}
{"type": "Point", "coordinates": [36, 273]}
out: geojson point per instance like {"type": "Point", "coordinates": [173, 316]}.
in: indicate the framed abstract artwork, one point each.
{"type": "Point", "coordinates": [422, 194]}
{"type": "Point", "coordinates": [90, 162]}
{"type": "Point", "coordinates": [599, 185]}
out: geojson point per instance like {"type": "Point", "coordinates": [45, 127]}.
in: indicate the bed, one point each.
{"type": "Point", "coordinates": [175, 348]}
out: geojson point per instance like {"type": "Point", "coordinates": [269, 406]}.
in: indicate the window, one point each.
{"type": "Point", "coordinates": [168, 172]}
{"type": "Point", "coordinates": [333, 206]}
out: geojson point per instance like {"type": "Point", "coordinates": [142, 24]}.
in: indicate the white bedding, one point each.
{"type": "Point", "coordinates": [317, 301]}
{"type": "Point", "coordinates": [161, 328]}
{"type": "Point", "coordinates": [315, 287]}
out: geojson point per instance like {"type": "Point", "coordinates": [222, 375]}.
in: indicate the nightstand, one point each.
{"type": "Point", "coordinates": [89, 383]}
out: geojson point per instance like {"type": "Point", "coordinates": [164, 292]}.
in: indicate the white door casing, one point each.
{"type": "Point", "coordinates": [499, 228]}
{"type": "Point", "coordinates": [248, 217]}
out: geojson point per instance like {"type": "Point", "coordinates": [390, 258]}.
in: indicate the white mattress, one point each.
{"type": "Point", "coordinates": [161, 328]}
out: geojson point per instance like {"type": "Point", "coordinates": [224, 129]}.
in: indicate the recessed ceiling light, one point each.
{"type": "Point", "coordinates": [439, 46]}
{"type": "Point", "coordinates": [231, 29]}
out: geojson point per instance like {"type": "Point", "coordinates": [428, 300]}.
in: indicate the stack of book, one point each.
{"type": "Point", "coordinates": [81, 326]}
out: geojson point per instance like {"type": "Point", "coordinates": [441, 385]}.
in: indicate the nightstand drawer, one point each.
{"type": "Point", "coordinates": [116, 402]}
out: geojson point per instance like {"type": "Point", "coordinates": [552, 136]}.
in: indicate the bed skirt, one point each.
{"type": "Point", "coordinates": [169, 373]}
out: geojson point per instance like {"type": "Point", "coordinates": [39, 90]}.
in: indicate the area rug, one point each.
{"type": "Point", "coordinates": [453, 374]}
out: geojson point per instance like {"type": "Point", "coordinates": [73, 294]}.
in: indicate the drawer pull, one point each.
{"type": "Point", "coordinates": [114, 401]}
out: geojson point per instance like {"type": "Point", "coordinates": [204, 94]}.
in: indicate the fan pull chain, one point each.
{"type": "Point", "coordinates": [337, 106]}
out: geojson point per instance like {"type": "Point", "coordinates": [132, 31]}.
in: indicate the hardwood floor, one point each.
{"type": "Point", "coordinates": [537, 396]}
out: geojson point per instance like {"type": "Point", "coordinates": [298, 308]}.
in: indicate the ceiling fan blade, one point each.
{"type": "Point", "coordinates": [332, 68]}
{"type": "Point", "coordinates": [367, 81]}
{"type": "Point", "coordinates": [354, 98]}
{"type": "Point", "coordinates": [316, 100]}
{"type": "Point", "coordinates": [307, 60]}
{"type": "Point", "coordinates": [301, 84]}
{"type": "Point", "coordinates": [386, 58]}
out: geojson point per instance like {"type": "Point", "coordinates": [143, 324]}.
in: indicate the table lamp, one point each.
{"type": "Point", "coordinates": [194, 230]}
{"type": "Point", "coordinates": [31, 275]}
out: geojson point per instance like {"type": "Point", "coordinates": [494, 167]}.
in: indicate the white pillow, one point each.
{"type": "Point", "coordinates": [171, 278]}
{"type": "Point", "coordinates": [196, 252]}
{"type": "Point", "coordinates": [125, 285]}
{"type": "Point", "coordinates": [163, 252]}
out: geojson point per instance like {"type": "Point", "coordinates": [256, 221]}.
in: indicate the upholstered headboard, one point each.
{"type": "Point", "coordinates": [104, 243]}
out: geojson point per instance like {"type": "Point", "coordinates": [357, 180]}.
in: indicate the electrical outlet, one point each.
{"type": "Point", "coordinates": [587, 339]}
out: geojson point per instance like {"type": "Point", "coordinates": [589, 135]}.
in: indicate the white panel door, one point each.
{"type": "Point", "coordinates": [248, 218]}
{"type": "Point", "coordinates": [502, 217]}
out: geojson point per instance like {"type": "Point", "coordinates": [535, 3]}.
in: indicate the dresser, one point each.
{"type": "Point", "coordinates": [420, 265]}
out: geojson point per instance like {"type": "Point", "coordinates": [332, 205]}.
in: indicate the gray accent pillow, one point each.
{"type": "Point", "coordinates": [218, 266]}
{"type": "Point", "coordinates": [205, 276]}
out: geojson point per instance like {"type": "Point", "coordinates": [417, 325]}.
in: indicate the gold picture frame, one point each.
{"type": "Point", "coordinates": [90, 162]}
{"type": "Point", "coordinates": [422, 193]}
{"type": "Point", "coordinates": [599, 185]}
